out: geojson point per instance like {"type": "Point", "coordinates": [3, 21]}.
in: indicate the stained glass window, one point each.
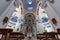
{"type": "Point", "coordinates": [44, 19]}
{"type": "Point", "coordinates": [14, 19]}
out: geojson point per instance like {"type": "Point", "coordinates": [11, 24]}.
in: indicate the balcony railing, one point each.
{"type": "Point", "coordinates": [8, 34]}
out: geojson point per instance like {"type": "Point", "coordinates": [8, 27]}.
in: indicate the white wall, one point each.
{"type": "Point", "coordinates": [56, 7]}
{"type": "Point", "coordinates": [3, 5]}
{"type": "Point", "coordinates": [53, 13]}
{"type": "Point", "coordinates": [8, 12]}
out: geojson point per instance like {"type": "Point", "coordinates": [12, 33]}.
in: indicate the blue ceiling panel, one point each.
{"type": "Point", "coordinates": [30, 4]}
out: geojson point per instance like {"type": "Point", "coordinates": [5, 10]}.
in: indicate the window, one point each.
{"type": "Point", "coordinates": [14, 19]}
{"type": "Point", "coordinates": [44, 19]}
{"type": "Point", "coordinates": [44, 6]}
{"type": "Point", "coordinates": [39, 4]}
{"type": "Point", "coordinates": [22, 0]}
{"type": "Point", "coordinates": [17, 29]}
{"type": "Point", "coordinates": [9, 26]}
{"type": "Point", "coordinates": [48, 26]}
{"type": "Point", "coordinates": [7, 0]}
{"type": "Point", "coordinates": [43, 12]}
{"type": "Point", "coordinates": [51, 1]}
{"type": "Point", "coordinates": [14, 4]}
